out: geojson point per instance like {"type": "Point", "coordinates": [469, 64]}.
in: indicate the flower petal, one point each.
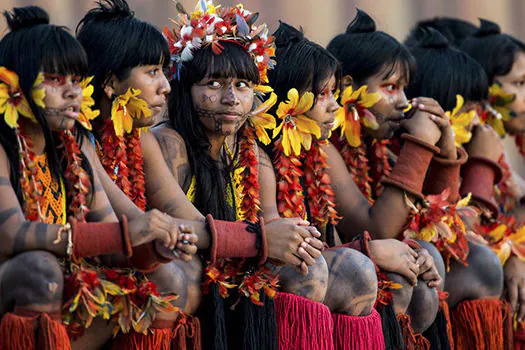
{"type": "Point", "coordinates": [11, 115]}
{"type": "Point", "coordinates": [305, 103]}
{"type": "Point", "coordinates": [307, 126]}
{"type": "Point", "coordinates": [266, 105]}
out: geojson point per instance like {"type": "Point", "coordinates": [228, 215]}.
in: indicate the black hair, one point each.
{"type": "Point", "coordinates": [301, 63]}
{"type": "Point", "coordinates": [32, 46]}
{"type": "Point", "coordinates": [116, 42]}
{"type": "Point", "coordinates": [494, 50]}
{"type": "Point", "coordinates": [443, 71]}
{"type": "Point", "coordinates": [364, 52]}
{"type": "Point", "coordinates": [233, 61]}
{"type": "Point", "coordinates": [454, 29]}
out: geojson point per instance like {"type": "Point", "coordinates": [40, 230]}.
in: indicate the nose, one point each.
{"type": "Point", "coordinates": [72, 91]}
{"type": "Point", "coordinates": [333, 106]}
{"type": "Point", "coordinates": [164, 87]}
{"type": "Point", "coordinates": [401, 101]}
{"type": "Point", "coordinates": [229, 96]}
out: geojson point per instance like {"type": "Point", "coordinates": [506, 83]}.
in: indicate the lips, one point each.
{"type": "Point", "coordinates": [71, 111]}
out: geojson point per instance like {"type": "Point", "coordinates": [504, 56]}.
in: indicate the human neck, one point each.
{"type": "Point", "coordinates": [216, 142]}
{"type": "Point", "coordinates": [33, 131]}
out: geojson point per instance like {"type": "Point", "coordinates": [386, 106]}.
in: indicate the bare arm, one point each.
{"type": "Point", "coordinates": [384, 219]}
{"type": "Point", "coordinates": [163, 187]}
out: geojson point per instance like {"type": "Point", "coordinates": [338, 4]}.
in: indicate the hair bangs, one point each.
{"type": "Point", "coordinates": [232, 62]}
{"type": "Point", "coordinates": [63, 54]}
{"type": "Point", "coordinates": [151, 49]}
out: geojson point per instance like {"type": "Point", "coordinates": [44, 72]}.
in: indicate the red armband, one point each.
{"type": "Point", "coordinates": [479, 177]}
{"type": "Point", "coordinates": [444, 173]}
{"type": "Point", "coordinates": [411, 167]}
{"type": "Point", "coordinates": [100, 238]}
{"type": "Point", "coordinates": [360, 243]}
{"type": "Point", "coordinates": [236, 239]}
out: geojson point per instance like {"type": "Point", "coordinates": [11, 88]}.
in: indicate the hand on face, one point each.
{"type": "Point", "coordinates": [424, 125]}
{"type": "Point", "coordinates": [63, 98]}
{"type": "Point", "coordinates": [222, 104]}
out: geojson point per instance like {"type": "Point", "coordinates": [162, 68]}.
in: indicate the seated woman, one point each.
{"type": "Point", "coordinates": [305, 69]}
{"type": "Point", "coordinates": [57, 223]}
{"type": "Point", "coordinates": [474, 282]}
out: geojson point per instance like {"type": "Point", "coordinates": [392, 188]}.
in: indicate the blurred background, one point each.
{"type": "Point", "coordinates": [320, 19]}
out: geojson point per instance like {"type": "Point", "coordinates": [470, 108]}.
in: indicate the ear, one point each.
{"type": "Point", "coordinates": [346, 81]}
{"type": "Point", "coordinates": [110, 87]}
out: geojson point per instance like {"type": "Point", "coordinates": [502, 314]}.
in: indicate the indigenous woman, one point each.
{"type": "Point", "coordinates": [57, 221]}
{"type": "Point", "coordinates": [130, 88]}
{"type": "Point", "coordinates": [375, 70]}
{"type": "Point", "coordinates": [308, 76]}
{"type": "Point", "coordinates": [502, 57]}
{"type": "Point", "coordinates": [474, 279]}
{"type": "Point", "coordinates": [219, 55]}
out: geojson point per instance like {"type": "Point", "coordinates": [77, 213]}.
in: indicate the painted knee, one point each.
{"type": "Point", "coordinates": [423, 307]}
{"type": "Point", "coordinates": [481, 279]}
{"type": "Point", "coordinates": [170, 278]}
{"type": "Point", "coordinates": [403, 295]}
{"type": "Point", "coordinates": [352, 282]}
{"type": "Point", "coordinates": [312, 286]}
{"type": "Point", "coordinates": [33, 280]}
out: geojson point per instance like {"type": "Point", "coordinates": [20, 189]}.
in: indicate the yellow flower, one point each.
{"type": "Point", "coordinates": [262, 89]}
{"type": "Point", "coordinates": [460, 122]}
{"type": "Point", "coordinates": [127, 107]}
{"type": "Point", "coordinates": [261, 120]}
{"type": "Point", "coordinates": [354, 112]}
{"type": "Point", "coordinates": [500, 101]}
{"type": "Point", "coordinates": [86, 113]}
{"type": "Point", "coordinates": [12, 99]}
{"type": "Point", "coordinates": [38, 94]}
{"type": "Point", "coordinates": [296, 127]}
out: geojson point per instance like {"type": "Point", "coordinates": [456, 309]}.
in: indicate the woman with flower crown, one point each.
{"type": "Point", "coordinates": [58, 226]}
{"type": "Point", "coordinates": [220, 59]}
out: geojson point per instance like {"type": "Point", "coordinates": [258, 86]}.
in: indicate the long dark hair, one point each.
{"type": "Point", "coordinates": [31, 46]}
{"type": "Point", "coordinates": [234, 61]}
{"type": "Point", "coordinates": [494, 50]}
{"type": "Point", "coordinates": [364, 51]}
{"type": "Point", "coordinates": [116, 42]}
{"type": "Point", "coordinates": [443, 71]}
{"type": "Point", "coordinates": [454, 29]}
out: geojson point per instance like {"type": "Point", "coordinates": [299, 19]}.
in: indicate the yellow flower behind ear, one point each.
{"type": "Point", "coordinates": [127, 107]}
{"type": "Point", "coordinates": [460, 122]}
{"type": "Point", "coordinates": [38, 94]}
{"type": "Point", "coordinates": [500, 101]}
{"type": "Point", "coordinates": [296, 127]}
{"type": "Point", "coordinates": [12, 100]}
{"type": "Point", "coordinates": [261, 120]}
{"type": "Point", "coordinates": [354, 112]}
{"type": "Point", "coordinates": [86, 113]}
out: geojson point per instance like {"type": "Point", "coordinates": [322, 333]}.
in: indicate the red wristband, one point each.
{"type": "Point", "coordinates": [411, 165]}
{"type": "Point", "coordinates": [360, 243]}
{"type": "Point", "coordinates": [479, 177]}
{"type": "Point", "coordinates": [231, 239]}
{"type": "Point", "coordinates": [444, 173]}
{"type": "Point", "coordinates": [96, 238]}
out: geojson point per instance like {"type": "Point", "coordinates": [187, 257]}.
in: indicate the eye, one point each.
{"type": "Point", "coordinates": [214, 84]}
{"type": "Point", "coordinates": [76, 80]}
{"type": "Point", "coordinates": [519, 83]}
{"type": "Point", "coordinates": [242, 84]}
{"type": "Point", "coordinates": [153, 72]}
{"type": "Point", "coordinates": [390, 87]}
{"type": "Point", "coordinates": [52, 78]}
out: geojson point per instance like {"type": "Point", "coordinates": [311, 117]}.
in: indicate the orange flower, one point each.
{"type": "Point", "coordinates": [296, 127]}
{"type": "Point", "coordinates": [354, 112]}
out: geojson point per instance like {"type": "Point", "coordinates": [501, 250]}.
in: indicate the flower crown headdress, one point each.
{"type": "Point", "coordinates": [209, 24]}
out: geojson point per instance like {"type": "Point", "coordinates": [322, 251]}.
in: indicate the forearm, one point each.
{"type": "Point", "coordinates": [27, 236]}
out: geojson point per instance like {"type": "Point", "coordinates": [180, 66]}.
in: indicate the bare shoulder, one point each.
{"type": "Point", "coordinates": [171, 142]}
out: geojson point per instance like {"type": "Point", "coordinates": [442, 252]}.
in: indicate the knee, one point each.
{"type": "Point", "coordinates": [32, 278]}
{"type": "Point", "coordinates": [402, 296]}
{"type": "Point", "coordinates": [312, 286]}
{"type": "Point", "coordinates": [489, 272]}
{"type": "Point", "coordinates": [170, 278]}
{"type": "Point", "coordinates": [423, 307]}
{"type": "Point", "coordinates": [352, 282]}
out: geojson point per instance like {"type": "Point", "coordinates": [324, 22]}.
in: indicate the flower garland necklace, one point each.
{"type": "Point", "coordinates": [120, 148]}
{"type": "Point", "coordinates": [295, 149]}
